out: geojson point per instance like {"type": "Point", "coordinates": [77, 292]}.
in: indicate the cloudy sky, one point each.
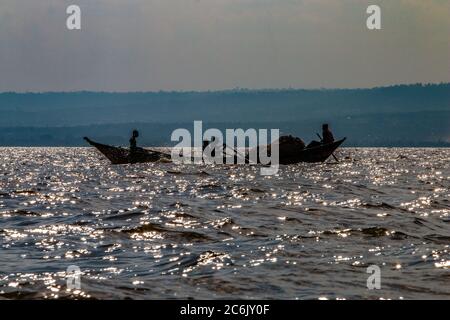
{"type": "Point", "coordinates": [147, 45]}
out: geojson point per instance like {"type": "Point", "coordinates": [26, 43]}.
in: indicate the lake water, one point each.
{"type": "Point", "coordinates": [161, 230]}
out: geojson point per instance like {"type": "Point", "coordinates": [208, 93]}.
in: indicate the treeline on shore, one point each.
{"type": "Point", "coordinates": [405, 115]}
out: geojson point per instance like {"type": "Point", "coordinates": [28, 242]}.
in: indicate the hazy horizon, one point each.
{"type": "Point", "coordinates": [237, 89]}
{"type": "Point", "coordinates": [198, 45]}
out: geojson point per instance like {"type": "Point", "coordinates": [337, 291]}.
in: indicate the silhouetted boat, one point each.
{"type": "Point", "coordinates": [119, 155]}
{"type": "Point", "coordinates": [318, 153]}
{"type": "Point", "coordinates": [290, 153]}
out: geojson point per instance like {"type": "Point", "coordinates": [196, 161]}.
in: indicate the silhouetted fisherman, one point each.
{"type": "Point", "coordinates": [133, 143]}
{"type": "Point", "coordinates": [327, 136]}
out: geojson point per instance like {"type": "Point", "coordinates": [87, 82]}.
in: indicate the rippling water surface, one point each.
{"type": "Point", "coordinates": [161, 230]}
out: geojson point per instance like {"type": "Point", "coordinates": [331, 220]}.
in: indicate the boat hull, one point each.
{"type": "Point", "coordinates": [118, 155]}
{"type": "Point", "coordinates": [315, 154]}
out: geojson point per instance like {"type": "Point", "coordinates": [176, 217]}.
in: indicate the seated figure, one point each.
{"type": "Point", "coordinates": [327, 137]}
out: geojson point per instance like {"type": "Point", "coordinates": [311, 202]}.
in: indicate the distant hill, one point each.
{"type": "Point", "coordinates": [404, 115]}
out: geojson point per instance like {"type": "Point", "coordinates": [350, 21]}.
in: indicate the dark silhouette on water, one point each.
{"type": "Point", "coordinates": [291, 150]}
{"type": "Point", "coordinates": [135, 151]}
{"type": "Point", "coordinates": [327, 135]}
{"type": "Point", "coordinates": [118, 155]}
{"type": "Point", "coordinates": [133, 142]}
{"type": "Point", "coordinates": [134, 154]}
{"type": "Point", "coordinates": [327, 138]}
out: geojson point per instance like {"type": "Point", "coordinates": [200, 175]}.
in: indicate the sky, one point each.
{"type": "Point", "coordinates": [152, 45]}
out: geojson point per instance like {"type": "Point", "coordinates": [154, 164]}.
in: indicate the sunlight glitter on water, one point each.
{"type": "Point", "coordinates": [162, 230]}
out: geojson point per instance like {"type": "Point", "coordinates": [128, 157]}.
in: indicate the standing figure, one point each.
{"type": "Point", "coordinates": [133, 143]}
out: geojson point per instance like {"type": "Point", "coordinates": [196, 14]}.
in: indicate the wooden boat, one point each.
{"type": "Point", "coordinates": [291, 153]}
{"type": "Point", "coordinates": [119, 155]}
{"type": "Point", "coordinates": [318, 153]}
